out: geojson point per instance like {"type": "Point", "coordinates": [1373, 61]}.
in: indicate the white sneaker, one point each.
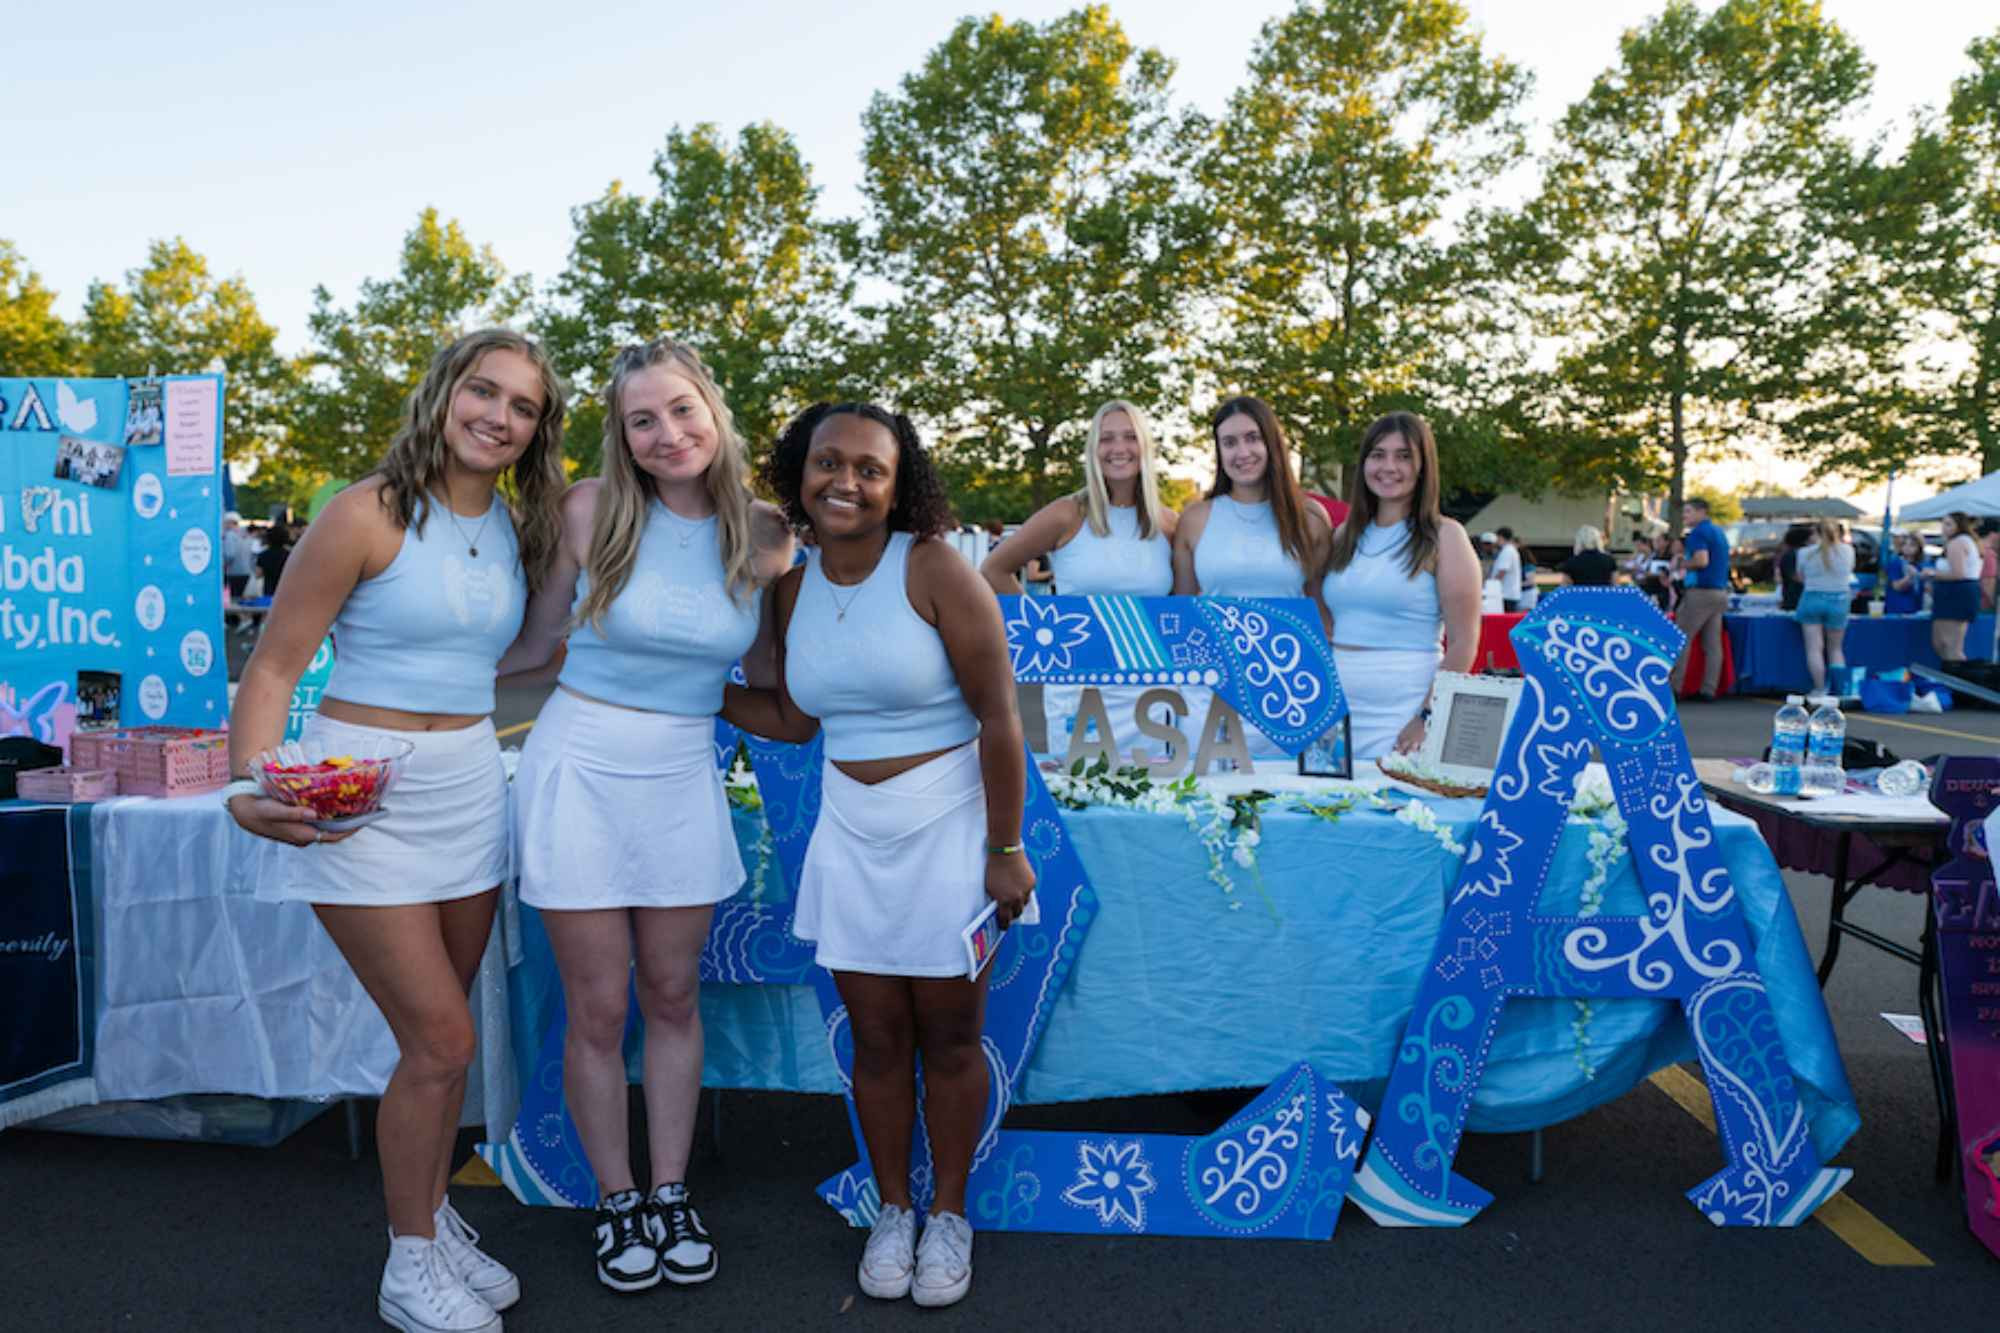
{"type": "Point", "coordinates": [944, 1261]}
{"type": "Point", "coordinates": [421, 1294]}
{"type": "Point", "coordinates": [486, 1277]}
{"type": "Point", "coordinates": [687, 1254]}
{"type": "Point", "coordinates": [889, 1257]}
{"type": "Point", "coordinates": [626, 1259]}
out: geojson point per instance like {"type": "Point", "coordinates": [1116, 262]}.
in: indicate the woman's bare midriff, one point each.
{"type": "Point", "coordinates": [872, 771]}
{"type": "Point", "coordinates": [396, 719]}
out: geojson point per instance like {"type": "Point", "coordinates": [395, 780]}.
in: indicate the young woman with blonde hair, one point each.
{"type": "Point", "coordinates": [623, 830]}
{"type": "Point", "coordinates": [1114, 536]}
{"type": "Point", "coordinates": [422, 571]}
{"type": "Point", "coordinates": [1826, 567]}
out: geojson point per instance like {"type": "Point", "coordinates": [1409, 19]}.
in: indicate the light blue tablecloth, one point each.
{"type": "Point", "coordinates": [1177, 988]}
{"type": "Point", "coordinates": [1770, 653]}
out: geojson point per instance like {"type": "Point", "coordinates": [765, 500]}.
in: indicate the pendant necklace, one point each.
{"type": "Point", "coordinates": [471, 543]}
{"type": "Point", "coordinates": [684, 528]}
{"type": "Point", "coordinates": [840, 607]}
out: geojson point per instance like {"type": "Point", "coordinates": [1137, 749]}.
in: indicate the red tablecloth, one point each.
{"type": "Point", "coordinates": [1496, 653]}
{"type": "Point", "coordinates": [1725, 682]}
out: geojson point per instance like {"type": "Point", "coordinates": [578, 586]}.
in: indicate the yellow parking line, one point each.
{"type": "Point", "coordinates": [1863, 1232]}
{"type": "Point", "coordinates": [1918, 726]}
{"type": "Point", "coordinates": [514, 730]}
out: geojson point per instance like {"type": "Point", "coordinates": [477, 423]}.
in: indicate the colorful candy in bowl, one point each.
{"type": "Point", "coordinates": [338, 784]}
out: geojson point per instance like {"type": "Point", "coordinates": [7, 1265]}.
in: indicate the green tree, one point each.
{"type": "Point", "coordinates": [1679, 238]}
{"type": "Point", "coordinates": [174, 316]}
{"type": "Point", "coordinates": [1362, 279]}
{"type": "Point", "coordinates": [1025, 213]}
{"type": "Point", "coordinates": [1909, 363]}
{"type": "Point", "coordinates": [366, 359]}
{"type": "Point", "coordinates": [34, 339]}
{"type": "Point", "coordinates": [725, 255]}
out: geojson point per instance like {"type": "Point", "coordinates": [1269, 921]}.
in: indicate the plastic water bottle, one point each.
{"type": "Point", "coordinates": [1788, 732]}
{"type": "Point", "coordinates": [1904, 779]}
{"type": "Point", "coordinates": [1826, 742]}
{"type": "Point", "coordinates": [1775, 779]}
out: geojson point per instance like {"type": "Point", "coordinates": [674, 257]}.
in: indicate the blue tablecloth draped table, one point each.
{"type": "Point", "coordinates": [1181, 986]}
{"type": "Point", "coordinates": [1771, 654]}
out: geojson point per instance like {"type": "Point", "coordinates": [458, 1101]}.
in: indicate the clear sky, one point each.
{"type": "Point", "coordinates": [295, 145]}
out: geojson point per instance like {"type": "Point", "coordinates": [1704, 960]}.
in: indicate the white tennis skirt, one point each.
{"type": "Point", "coordinates": [896, 870]}
{"type": "Point", "coordinates": [445, 835]}
{"type": "Point", "coordinates": [1385, 688]}
{"type": "Point", "coordinates": [618, 807]}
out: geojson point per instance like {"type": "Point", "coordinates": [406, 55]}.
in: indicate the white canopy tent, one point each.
{"type": "Point", "coordinates": [1978, 498]}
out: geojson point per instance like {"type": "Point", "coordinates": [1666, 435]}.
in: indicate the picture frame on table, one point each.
{"type": "Point", "coordinates": [1469, 720]}
{"type": "Point", "coordinates": [1331, 756]}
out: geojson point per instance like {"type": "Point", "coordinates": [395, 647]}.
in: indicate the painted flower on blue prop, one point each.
{"type": "Point", "coordinates": [1041, 638]}
{"type": "Point", "coordinates": [1112, 1179]}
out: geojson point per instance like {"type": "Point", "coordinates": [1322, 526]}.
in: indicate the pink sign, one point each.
{"type": "Point", "coordinates": [191, 427]}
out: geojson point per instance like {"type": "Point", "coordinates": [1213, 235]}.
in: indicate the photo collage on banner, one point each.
{"type": "Point", "coordinates": [110, 573]}
{"type": "Point", "coordinates": [1278, 1169]}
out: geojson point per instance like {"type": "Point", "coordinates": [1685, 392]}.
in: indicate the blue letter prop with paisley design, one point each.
{"type": "Point", "coordinates": [1597, 664]}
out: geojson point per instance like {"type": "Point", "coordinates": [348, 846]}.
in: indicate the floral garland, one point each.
{"type": "Point", "coordinates": [740, 785]}
{"type": "Point", "coordinates": [1608, 847]}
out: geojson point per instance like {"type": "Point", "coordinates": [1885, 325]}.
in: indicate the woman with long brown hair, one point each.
{"type": "Point", "coordinates": [1255, 535]}
{"type": "Point", "coordinates": [623, 830]}
{"type": "Point", "coordinates": [1955, 588]}
{"type": "Point", "coordinates": [422, 571]}
{"type": "Point", "coordinates": [1399, 575]}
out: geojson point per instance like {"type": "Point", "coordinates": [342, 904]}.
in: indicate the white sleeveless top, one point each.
{"type": "Point", "coordinates": [1375, 603]}
{"type": "Point", "coordinates": [1122, 562]}
{"type": "Point", "coordinates": [1239, 554]}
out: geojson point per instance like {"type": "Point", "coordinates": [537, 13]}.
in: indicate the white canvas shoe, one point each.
{"type": "Point", "coordinates": [486, 1277]}
{"type": "Point", "coordinates": [421, 1294]}
{"type": "Point", "coordinates": [889, 1257]}
{"type": "Point", "coordinates": [944, 1261]}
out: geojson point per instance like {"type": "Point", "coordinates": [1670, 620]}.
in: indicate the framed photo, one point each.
{"type": "Point", "coordinates": [97, 699]}
{"type": "Point", "coordinates": [1331, 756]}
{"type": "Point", "coordinates": [1469, 719]}
{"type": "Point", "coordinates": [144, 423]}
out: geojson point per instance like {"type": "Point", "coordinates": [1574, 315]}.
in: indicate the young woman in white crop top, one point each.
{"type": "Point", "coordinates": [1256, 534]}
{"type": "Point", "coordinates": [892, 644]}
{"type": "Point", "coordinates": [622, 830]}
{"type": "Point", "coordinates": [1399, 575]}
{"type": "Point", "coordinates": [1113, 536]}
{"type": "Point", "coordinates": [423, 572]}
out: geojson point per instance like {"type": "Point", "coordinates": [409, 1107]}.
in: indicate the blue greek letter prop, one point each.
{"type": "Point", "coordinates": [1597, 663]}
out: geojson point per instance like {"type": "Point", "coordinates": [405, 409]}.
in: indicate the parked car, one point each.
{"type": "Point", "coordinates": [1754, 548]}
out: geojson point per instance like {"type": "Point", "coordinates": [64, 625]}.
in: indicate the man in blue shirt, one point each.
{"type": "Point", "coordinates": [1707, 596]}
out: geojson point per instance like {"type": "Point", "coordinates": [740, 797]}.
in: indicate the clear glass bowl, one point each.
{"type": "Point", "coordinates": [334, 782]}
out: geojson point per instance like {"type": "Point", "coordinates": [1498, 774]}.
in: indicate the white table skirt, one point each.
{"type": "Point", "coordinates": [204, 989]}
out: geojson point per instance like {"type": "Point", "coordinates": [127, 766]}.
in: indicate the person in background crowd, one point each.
{"type": "Point", "coordinates": [1707, 597]}
{"type": "Point", "coordinates": [1791, 585]}
{"type": "Point", "coordinates": [1902, 576]}
{"type": "Point", "coordinates": [1489, 544]}
{"type": "Point", "coordinates": [622, 828]}
{"type": "Point", "coordinates": [1399, 575]}
{"type": "Point", "coordinates": [896, 650]}
{"type": "Point", "coordinates": [1531, 591]}
{"type": "Point", "coordinates": [1113, 536]}
{"type": "Point", "coordinates": [422, 572]}
{"type": "Point", "coordinates": [1255, 534]}
{"type": "Point", "coordinates": [1827, 566]}
{"type": "Point", "coordinates": [1955, 589]}
{"type": "Point", "coordinates": [277, 550]}
{"type": "Point", "coordinates": [1507, 568]}
{"type": "Point", "coordinates": [1659, 570]}
{"type": "Point", "coordinates": [1636, 564]}
{"type": "Point", "coordinates": [1989, 561]}
{"type": "Point", "coordinates": [238, 562]}
{"type": "Point", "coordinates": [1588, 565]}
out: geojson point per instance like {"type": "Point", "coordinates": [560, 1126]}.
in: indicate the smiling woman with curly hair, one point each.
{"type": "Point", "coordinates": [893, 645]}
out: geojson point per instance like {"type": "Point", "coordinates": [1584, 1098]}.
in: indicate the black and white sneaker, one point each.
{"type": "Point", "coordinates": [687, 1255]}
{"type": "Point", "coordinates": [626, 1258]}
